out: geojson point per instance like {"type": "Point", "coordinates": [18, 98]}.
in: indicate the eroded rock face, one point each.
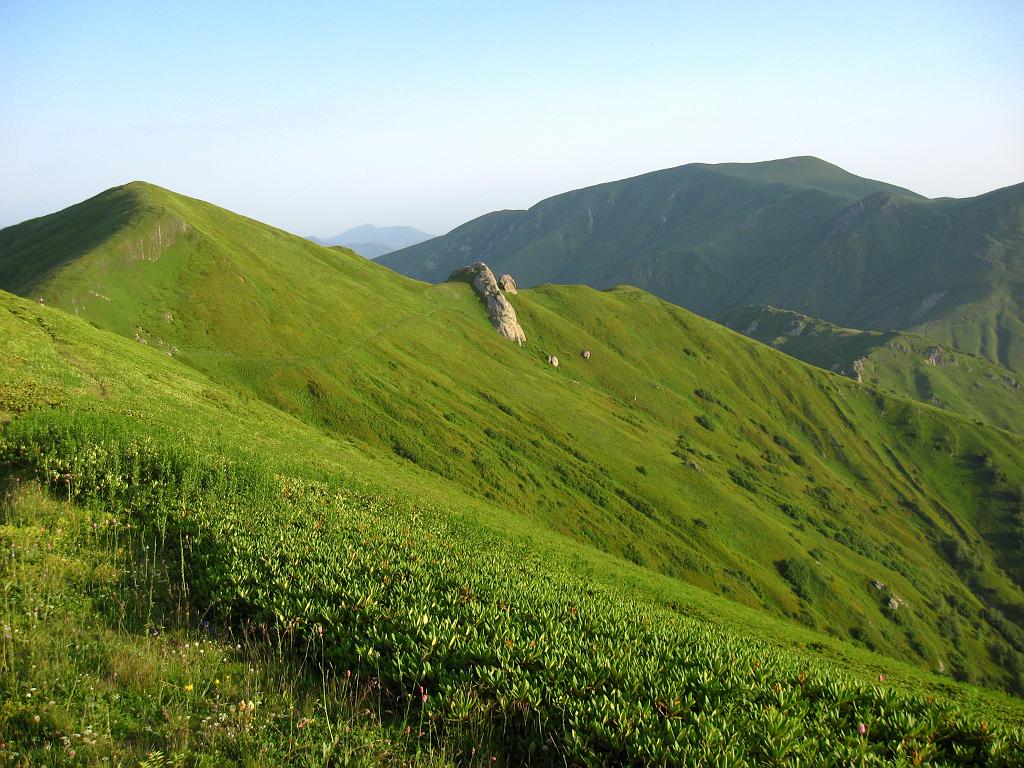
{"type": "Point", "coordinates": [858, 368]}
{"type": "Point", "coordinates": [507, 283]}
{"type": "Point", "coordinates": [503, 317]}
{"type": "Point", "coordinates": [500, 309]}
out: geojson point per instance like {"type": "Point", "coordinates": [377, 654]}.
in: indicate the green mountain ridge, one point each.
{"type": "Point", "coordinates": [87, 405]}
{"type": "Point", "coordinates": [903, 363]}
{"type": "Point", "coordinates": [799, 234]}
{"type": "Point", "coordinates": [682, 457]}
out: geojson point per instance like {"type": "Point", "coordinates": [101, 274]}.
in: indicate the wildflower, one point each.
{"type": "Point", "coordinates": [35, 719]}
{"type": "Point", "coordinates": [188, 687]}
{"type": "Point", "coordinates": [881, 678]}
{"type": "Point", "coordinates": [861, 728]}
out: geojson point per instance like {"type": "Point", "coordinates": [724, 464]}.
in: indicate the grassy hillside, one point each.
{"type": "Point", "coordinates": [106, 662]}
{"type": "Point", "coordinates": [799, 234]}
{"type": "Point", "coordinates": [679, 446]}
{"type": "Point", "coordinates": [683, 466]}
{"type": "Point", "coordinates": [371, 612]}
{"type": "Point", "coordinates": [903, 363]}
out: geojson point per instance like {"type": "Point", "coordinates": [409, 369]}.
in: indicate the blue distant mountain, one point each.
{"type": "Point", "coordinates": [373, 241]}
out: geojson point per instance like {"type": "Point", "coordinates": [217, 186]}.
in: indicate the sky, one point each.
{"type": "Point", "coordinates": [316, 117]}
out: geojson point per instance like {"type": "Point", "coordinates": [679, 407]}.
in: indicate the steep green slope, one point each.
{"type": "Point", "coordinates": [448, 620]}
{"type": "Point", "coordinates": [904, 363]}
{"type": "Point", "coordinates": [799, 234]}
{"type": "Point", "coordinates": [680, 446]}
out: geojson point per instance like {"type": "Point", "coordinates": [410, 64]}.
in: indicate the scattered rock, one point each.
{"type": "Point", "coordinates": [895, 603]}
{"type": "Point", "coordinates": [878, 584]}
{"type": "Point", "coordinates": [552, 361]}
{"type": "Point", "coordinates": [586, 354]}
{"type": "Point", "coordinates": [502, 314]}
{"type": "Point", "coordinates": [693, 465]}
{"type": "Point", "coordinates": [507, 283]}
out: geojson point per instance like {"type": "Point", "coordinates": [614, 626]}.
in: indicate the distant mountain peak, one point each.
{"type": "Point", "coordinates": [797, 232]}
{"type": "Point", "coordinates": [371, 241]}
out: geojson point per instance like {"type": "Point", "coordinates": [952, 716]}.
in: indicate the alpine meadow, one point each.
{"type": "Point", "coordinates": [715, 465]}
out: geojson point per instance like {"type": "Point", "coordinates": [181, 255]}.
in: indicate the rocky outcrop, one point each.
{"type": "Point", "coordinates": [552, 361]}
{"type": "Point", "coordinates": [858, 368]}
{"type": "Point", "coordinates": [499, 308]}
{"type": "Point", "coordinates": [586, 354]}
{"type": "Point", "coordinates": [503, 317]}
{"type": "Point", "coordinates": [507, 283]}
{"type": "Point", "coordinates": [939, 358]}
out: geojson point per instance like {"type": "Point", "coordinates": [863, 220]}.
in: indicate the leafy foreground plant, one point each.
{"type": "Point", "coordinates": [103, 662]}
{"type": "Point", "coordinates": [471, 636]}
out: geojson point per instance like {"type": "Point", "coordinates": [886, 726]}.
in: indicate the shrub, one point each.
{"type": "Point", "coordinates": [803, 578]}
{"type": "Point", "coordinates": [706, 422]}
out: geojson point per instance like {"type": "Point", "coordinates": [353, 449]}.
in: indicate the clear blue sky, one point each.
{"type": "Point", "coordinates": [319, 116]}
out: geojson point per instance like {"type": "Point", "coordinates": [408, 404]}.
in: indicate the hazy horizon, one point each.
{"type": "Point", "coordinates": [318, 118]}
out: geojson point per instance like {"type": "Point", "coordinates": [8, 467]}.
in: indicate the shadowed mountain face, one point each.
{"type": "Point", "coordinates": [798, 234]}
{"type": "Point", "coordinates": [678, 445]}
{"type": "Point", "coordinates": [896, 361]}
